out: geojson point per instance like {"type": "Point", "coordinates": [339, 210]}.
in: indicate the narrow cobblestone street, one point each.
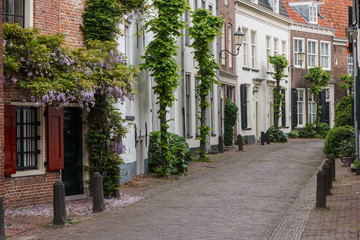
{"type": "Point", "coordinates": [246, 195]}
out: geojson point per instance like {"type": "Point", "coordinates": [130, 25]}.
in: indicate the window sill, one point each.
{"type": "Point", "coordinates": [255, 70]}
{"type": "Point", "coordinates": [28, 173]}
{"type": "Point", "coordinates": [269, 72]}
{"type": "Point", "coordinates": [130, 118]}
{"type": "Point", "coordinates": [189, 137]}
{"type": "Point", "coordinates": [285, 127]}
{"type": "Point", "coordinates": [246, 129]}
{"type": "Point", "coordinates": [246, 69]}
{"type": "Point", "coordinates": [213, 134]}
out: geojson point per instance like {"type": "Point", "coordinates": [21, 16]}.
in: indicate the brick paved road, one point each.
{"type": "Point", "coordinates": [244, 196]}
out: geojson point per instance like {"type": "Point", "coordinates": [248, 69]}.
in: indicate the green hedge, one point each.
{"type": "Point", "coordinates": [344, 113]}
{"type": "Point", "coordinates": [332, 144]}
{"type": "Point", "coordinates": [230, 119]}
{"type": "Point", "coordinates": [276, 135]}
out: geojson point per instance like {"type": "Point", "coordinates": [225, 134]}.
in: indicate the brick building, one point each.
{"type": "Point", "coordinates": [318, 32]}
{"type": "Point", "coordinates": [37, 140]}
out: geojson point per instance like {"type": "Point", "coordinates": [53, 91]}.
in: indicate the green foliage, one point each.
{"type": "Point", "coordinates": [356, 164]}
{"type": "Point", "coordinates": [313, 130]}
{"type": "Point", "coordinates": [347, 85]}
{"type": "Point", "coordinates": [347, 148]}
{"type": "Point", "coordinates": [276, 135]}
{"type": "Point", "coordinates": [279, 63]}
{"type": "Point", "coordinates": [344, 112]}
{"type": "Point", "coordinates": [317, 78]}
{"type": "Point", "coordinates": [102, 18]}
{"type": "Point", "coordinates": [293, 134]}
{"type": "Point", "coordinates": [180, 152]}
{"type": "Point", "coordinates": [104, 142]}
{"type": "Point", "coordinates": [334, 138]}
{"type": "Point", "coordinates": [160, 60]}
{"type": "Point", "coordinates": [230, 113]}
{"type": "Point", "coordinates": [205, 29]}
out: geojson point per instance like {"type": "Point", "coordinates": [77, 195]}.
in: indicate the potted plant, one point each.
{"type": "Point", "coordinates": [347, 152]}
{"type": "Point", "coordinates": [357, 167]}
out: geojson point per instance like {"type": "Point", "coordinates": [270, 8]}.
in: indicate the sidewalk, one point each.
{"type": "Point", "coordinates": [340, 220]}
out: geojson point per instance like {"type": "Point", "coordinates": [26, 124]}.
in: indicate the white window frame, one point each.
{"type": "Point", "coordinates": [253, 43]}
{"type": "Point", "coordinates": [268, 53]}
{"type": "Point", "coordinates": [246, 47]}
{"type": "Point", "coordinates": [312, 54]}
{"type": "Point", "coordinates": [41, 143]}
{"type": "Point", "coordinates": [296, 50]}
{"type": "Point", "coordinates": [28, 13]}
{"type": "Point", "coordinates": [300, 115]}
{"type": "Point", "coordinates": [350, 64]}
{"type": "Point", "coordinates": [223, 60]}
{"type": "Point", "coordinates": [324, 56]}
{"type": "Point", "coordinates": [230, 30]}
{"type": "Point", "coordinates": [276, 45]}
{"type": "Point", "coordinates": [311, 108]}
{"type": "Point", "coordinates": [226, 2]}
{"type": "Point", "coordinates": [313, 14]}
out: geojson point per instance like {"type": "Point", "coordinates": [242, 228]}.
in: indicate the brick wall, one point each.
{"type": "Point", "coordinates": [1, 112]}
{"type": "Point", "coordinates": [50, 16]}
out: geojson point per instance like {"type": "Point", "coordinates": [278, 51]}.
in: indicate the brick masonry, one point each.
{"type": "Point", "coordinates": [50, 16]}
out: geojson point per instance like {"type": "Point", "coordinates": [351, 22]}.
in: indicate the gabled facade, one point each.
{"type": "Point", "coordinates": [323, 43]}
{"type": "Point", "coordinates": [267, 31]}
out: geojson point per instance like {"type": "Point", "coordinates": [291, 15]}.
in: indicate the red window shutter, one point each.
{"type": "Point", "coordinates": [10, 139]}
{"type": "Point", "coordinates": [55, 139]}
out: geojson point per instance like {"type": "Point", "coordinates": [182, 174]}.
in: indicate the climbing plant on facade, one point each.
{"type": "Point", "coordinates": [160, 60]}
{"type": "Point", "coordinates": [317, 78]}
{"type": "Point", "coordinates": [279, 63]}
{"type": "Point", "coordinates": [204, 30]}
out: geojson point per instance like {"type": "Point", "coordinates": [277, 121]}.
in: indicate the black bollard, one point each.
{"type": "Point", "coordinates": [267, 137]}
{"type": "Point", "coordinates": [221, 144]}
{"type": "Point", "coordinates": [98, 193]}
{"type": "Point", "coordinates": [59, 219]}
{"type": "Point", "coordinates": [2, 222]}
{"type": "Point", "coordinates": [240, 143]}
{"type": "Point", "coordinates": [326, 169]}
{"type": "Point", "coordinates": [320, 190]}
{"type": "Point", "coordinates": [332, 159]}
{"type": "Point", "coordinates": [262, 138]}
{"type": "Point", "coordinates": [330, 172]}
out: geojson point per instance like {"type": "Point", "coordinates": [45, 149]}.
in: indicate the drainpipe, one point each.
{"type": "Point", "coordinates": [218, 77]}
{"type": "Point", "coordinates": [182, 49]}
{"type": "Point", "coordinates": [356, 75]}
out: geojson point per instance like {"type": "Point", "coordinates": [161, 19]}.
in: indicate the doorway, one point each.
{"type": "Point", "coordinates": [72, 175]}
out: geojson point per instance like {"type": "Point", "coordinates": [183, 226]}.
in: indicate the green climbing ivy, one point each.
{"type": "Point", "coordinates": [160, 60]}
{"type": "Point", "coordinates": [205, 29]}
{"type": "Point", "coordinates": [230, 113]}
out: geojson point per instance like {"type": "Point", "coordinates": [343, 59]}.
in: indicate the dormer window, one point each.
{"type": "Point", "coordinates": [274, 5]}
{"type": "Point", "coordinates": [313, 14]}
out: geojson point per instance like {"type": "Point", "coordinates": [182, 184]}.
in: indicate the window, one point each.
{"type": "Point", "coordinates": [245, 47]}
{"type": "Point", "coordinates": [188, 105]}
{"type": "Point", "coordinates": [312, 53]}
{"type": "Point", "coordinates": [226, 2]}
{"type": "Point", "coordinates": [268, 53]}
{"type": "Point", "coordinates": [27, 138]}
{"type": "Point", "coordinates": [276, 46]}
{"type": "Point", "coordinates": [298, 47]}
{"type": "Point", "coordinates": [283, 48]}
{"type": "Point", "coordinates": [283, 108]}
{"type": "Point", "coordinates": [350, 61]}
{"type": "Point", "coordinates": [223, 43]}
{"type": "Point", "coordinates": [244, 106]}
{"type": "Point", "coordinates": [230, 93]}
{"type": "Point", "coordinates": [325, 55]}
{"type": "Point", "coordinates": [203, 4]}
{"type": "Point", "coordinates": [313, 14]}
{"type": "Point", "coordinates": [274, 5]}
{"type": "Point", "coordinates": [300, 107]}
{"type": "Point", "coordinates": [230, 45]}
{"type": "Point", "coordinates": [271, 104]}
{"type": "Point", "coordinates": [312, 109]}
{"type": "Point", "coordinates": [253, 49]}
{"type": "Point", "coordinates": [14, 11]}
{"type": "Point", "coordinates": [211, 8]}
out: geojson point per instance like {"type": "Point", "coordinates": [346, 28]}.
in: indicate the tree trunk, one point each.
{"type": "Point", "coordinates": [202, 133]}
{"type": "Point", "coordinates": [163, 138]}
{"type": "Point", "coordinates": [277, 102]}
{"type": "Point", "coordinates": [318, 112]}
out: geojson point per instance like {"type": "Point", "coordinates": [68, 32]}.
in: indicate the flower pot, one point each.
{"type": "Point", "coordinates": [348, 161]}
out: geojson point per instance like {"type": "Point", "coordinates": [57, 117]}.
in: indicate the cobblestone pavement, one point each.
{"type": "Point", "coordinates": [341, 218]}
{"type": "Point", "coordinates": [246, 195]}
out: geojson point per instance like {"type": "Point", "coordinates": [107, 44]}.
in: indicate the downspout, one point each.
{"type": "Point", "coordinates": [182, 49]}
{"type": "Point", "coordinates": [356, 75]}
{"type": "Point", "coordinates": [218, 77]}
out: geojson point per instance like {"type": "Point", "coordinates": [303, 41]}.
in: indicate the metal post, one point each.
{"type": "Point", "coordinates": [240, 143]}
{"type": "Point", "coordinates": [332, 159]}
{"type": "Point", "coordinates": [320, 190]}
{"type": "Point", "coordinates": [98, 193]}
{"type": "Point", "coordinates": [330, 172]}
{"type": "Point", "coordinates": [268, 137]}
{"type": "Point", "coordinates": [326, 169]}
{"type": "Point", "coordinates": [59, 219]}
{"type": "Point", "coordinates": [221, 144]}
{"type": "Point", "coordinates": [2, 222]}
{"type": "Point", "coordinates": [262, 138]}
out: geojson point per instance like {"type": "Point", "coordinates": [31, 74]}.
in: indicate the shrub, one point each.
{"type": "Point", "coordinates": [293, 134]}
{"type": "Point", "coordinates": [276, 135]}
{"type": "Point", "coordinates": [181, 155]}
{"type": "Point", "coordinates": [334, 138]}
{"type": "Point", "coordinates": [230, 119]}
{"type": "Point", "coordinates": [312, 131]}
{"type": "Point", "coordinates": [344, 112]}
{"type": "Point", "coordinates": [324, 128]}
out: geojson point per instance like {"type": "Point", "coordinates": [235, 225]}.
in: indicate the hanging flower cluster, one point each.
{"type": "Point", "coordinates": [53, 74]}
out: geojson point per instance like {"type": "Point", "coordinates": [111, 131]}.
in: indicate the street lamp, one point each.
{"type": "Point", "coordinates": [301, 55]}
{"type": "Point", "coordinates": [239, 37]}
{"type": "Point", "coordinates": [255, 89]}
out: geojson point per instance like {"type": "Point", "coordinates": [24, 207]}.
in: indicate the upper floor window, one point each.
{"type": "Point", "coordinates": [350, 61]}
{"type": "Point", "coordinates": [325, 55]}
{"type": "Point", "coordinates": [230, 44]}
{"type": "Point", "coordinates": [298, 47]}
{"type": "Point", "coordinates": [245, 47]}
{"type": "Point", "coordinates": [226, 2]}
{"type": "Point", "coordinates": [312, 53]}
{"type": "Point", "coordinates": [253, 49]}
{"type": "Point", "coordinates": [313, 14]}
{"type": "Point", "coordinates": [276, 46]}
{"type": "Point", "coordinates": [268, 52]}
{"type": "Point", "coordinates": [203, 4]}
{"type": "Point", "coordinates": [223, 42]}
